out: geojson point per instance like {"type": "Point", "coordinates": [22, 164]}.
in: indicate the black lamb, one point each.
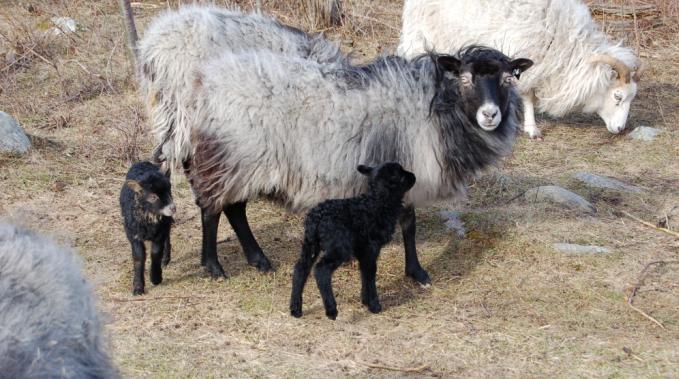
{"type": "Point", "coordinates": [354, 227]}
{"type": "Point", "coordinates": [147, 209]}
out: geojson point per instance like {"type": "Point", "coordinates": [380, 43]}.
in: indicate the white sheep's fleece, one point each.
{"type": "Point", "coordinates": [559, 36]}
{"type": "Point", "coordinates": [49, 326]}
{"type": "Point", "coordinates": [177, 42]}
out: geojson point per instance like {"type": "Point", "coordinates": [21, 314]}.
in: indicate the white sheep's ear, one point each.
{"type": "Point", "coordinates": [520, 65]}
{"type": "Point", "coordinates": [449, 63]}
{"type": "Point", "coordinates": [134, 186]}
{"type": "Point", "coordinates": [365, 170]}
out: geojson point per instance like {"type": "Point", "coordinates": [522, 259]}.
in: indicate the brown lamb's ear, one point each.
{"type": "Point", "coordinates": [365, 170]}
{"type": "Point", "coordinates": [134, 186]}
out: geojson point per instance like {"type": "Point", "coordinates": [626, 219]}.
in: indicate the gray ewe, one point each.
{"type": "Point", "coordinates": [49, 326]}
{"type": "Point", "coordinates": [294, 130]}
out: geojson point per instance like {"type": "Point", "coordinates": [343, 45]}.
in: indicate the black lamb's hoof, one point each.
{"type": "Point", "coordinates": [156, 276]}
{"type": "Point", "coordinates": [331, 313]}
{"type": "Point", "coordinates": [261, 263]}
{"type": "Point", "coordinates": [215, 270]}
{"type": "Point", "coordinates": [375, 307]}
{"type": "Point", "coordinates": [420, 276]}
{"type": "Point", "coordinates": [138, 291]}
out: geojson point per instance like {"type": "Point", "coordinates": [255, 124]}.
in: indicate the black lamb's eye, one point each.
{"type": "Point", "coordinates": [153, 198]}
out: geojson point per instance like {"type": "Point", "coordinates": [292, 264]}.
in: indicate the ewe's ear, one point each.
{"type": "Point", "coordinates": [365, 170]}
{"type": "Point", "coordinates": [134, 185]}
{"type": "Point", "coordinates": [520, 65]}
{"type": "Point", "coordinates": [448, 63]}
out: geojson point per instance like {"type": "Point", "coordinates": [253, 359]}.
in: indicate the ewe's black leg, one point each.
{"type": "Point", "coordinates": [300, 276]}
{"type": "Point", "coordinates": [167, 251]}
{"type": "Point", "coordinates": [239, 222]}
{"type": "Point", "coordinates": [324, 269]}
{"type": "Point", "coordinates": [139, 257]}
{"type": "Point", "coordinates": [413, 267]}
{"type": "Point", "coordinates": [156, 258]}
{"type": "Point", "coordinates": [209, 252]}
{"type": "Point", "coordinates": [369, 296]}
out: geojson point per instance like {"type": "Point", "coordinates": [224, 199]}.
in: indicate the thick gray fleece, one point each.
{"type": "Point", "coordinates": [49, 327]}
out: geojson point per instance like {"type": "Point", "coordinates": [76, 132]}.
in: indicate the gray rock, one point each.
{"type": "Point", "coordinates": [605, 182]}
{"type": "Point", "coordinates": [13, 140]}
{"type": "Point", "coordinates": [570, 248]}
{"type": "Point", "coordinates": [559, 196]}
{"type": "Point", "coordinates": [644, 133]}
{"type": "Point", "coordinates": [63, 25]}
{"type": "Point", "coordinates": [453, 222]}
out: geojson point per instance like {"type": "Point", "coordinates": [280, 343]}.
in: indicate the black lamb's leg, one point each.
{"type": "Point", "coordinates": [167, 251]}
{"type": "Point", "coordinates": [209, 259]}
{"type": "Point", "coordinates": [139, 257]}
{"type": "Point", "coordinates": [157, 248]}
{"type": "Point", "coordinates": [413, 267]}
{"type": "Point", "coordinates": [324, 270]}
{"type": "Point", "coordinates": [239, 222]}
{"type": "Point", "coordinates": [369, 296]}
{"type": "Point", "coordinates": [309, 254]}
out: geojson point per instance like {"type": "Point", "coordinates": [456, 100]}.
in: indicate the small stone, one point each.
{"type": "Point", "coordinates": [605, 182]}
{"type": "Point", "coordinates": [63, 25]}
{"type": "Point", "coordinates": [13, 140]}
{"type": "Point", "coordinates": [570, 248]}
{"type": "Point", "coordinates": [559, 196]}
{"type": "Point", "coordinates": [452, 222]}
{"type": "Point", "coordinates": [644, 133]}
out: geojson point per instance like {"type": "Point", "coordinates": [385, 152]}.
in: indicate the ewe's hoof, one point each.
{"type": "Point", "coordinates": [420, 276]}
{"type": "Point", "coordinates": [261, 262]}
{"type": "Point", "coordinates": [331, 313]}
{"type": "Point", "coordinates": [296, 312]}
{"type": "Point", "coordinates": [215, 270]}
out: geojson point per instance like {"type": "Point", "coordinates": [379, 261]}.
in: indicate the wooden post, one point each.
{"type": "Point", "coordinates": [130, 31]}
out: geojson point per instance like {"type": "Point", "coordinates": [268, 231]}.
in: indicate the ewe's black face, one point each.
{"type": "Point", "coordinates": [485, 81]}
{"type": "Point", "coordinates": [154, 193]}
{"type": "Point", "coordinates": [390, 175]}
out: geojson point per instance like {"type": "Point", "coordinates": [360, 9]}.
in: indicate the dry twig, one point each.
{"type": "Point", "coordinates": [119, 300]}
{"type": "Point", "coordinates": [637, 219]}
{"type": "Point", "coordinates": [640, 282]}
{"type": "Point", "coordinates": [394, 368]}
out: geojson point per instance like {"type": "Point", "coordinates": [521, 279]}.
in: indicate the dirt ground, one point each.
{"type": "Point", "coordinates": [503, 302]}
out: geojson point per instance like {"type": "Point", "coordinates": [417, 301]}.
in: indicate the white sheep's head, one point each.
{"type": "Point", "coordinates": [613, 104]}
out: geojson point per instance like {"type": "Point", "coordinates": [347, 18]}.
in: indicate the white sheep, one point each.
{"type": "Point", "coordinates": [576, 65]}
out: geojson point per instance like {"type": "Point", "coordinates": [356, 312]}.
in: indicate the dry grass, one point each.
{"type": "Point", "coordinates": [503, 302]}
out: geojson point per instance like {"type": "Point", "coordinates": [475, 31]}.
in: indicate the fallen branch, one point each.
{"type": "Point", "coordinates": [393, 368]}
{"type": "Point", "coordinates": [637, 219]}
{"type": "Point", "coordinates": [640, 282]}
{"type": "Point", "coordinates": [119, 300]}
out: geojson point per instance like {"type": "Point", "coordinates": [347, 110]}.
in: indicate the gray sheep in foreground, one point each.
{"type": "Point", "coordinates": [49, 326]}
{"type": "Point", "coordinates": [294, 130]}
{"type": "Point", "coordinates": [177, 42]}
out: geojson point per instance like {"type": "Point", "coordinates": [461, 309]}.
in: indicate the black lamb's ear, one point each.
{"type": "Point", "coordinates": [520, 65]}
{"type": "Point", "coordinates": [449, 63]}
{"type": "Point", "coordinates": [365, 170]}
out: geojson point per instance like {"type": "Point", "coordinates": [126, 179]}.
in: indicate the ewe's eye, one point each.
{"type": "Point", "coordinates": [617, 97]}
{"type": "Point", "coordinates": [508, 80]}
{"type": "Point", "coordinates": [152, 198]}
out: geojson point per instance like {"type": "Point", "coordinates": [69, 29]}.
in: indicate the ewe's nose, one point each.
{"type": "Point", "coordinates": [490, 113]}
